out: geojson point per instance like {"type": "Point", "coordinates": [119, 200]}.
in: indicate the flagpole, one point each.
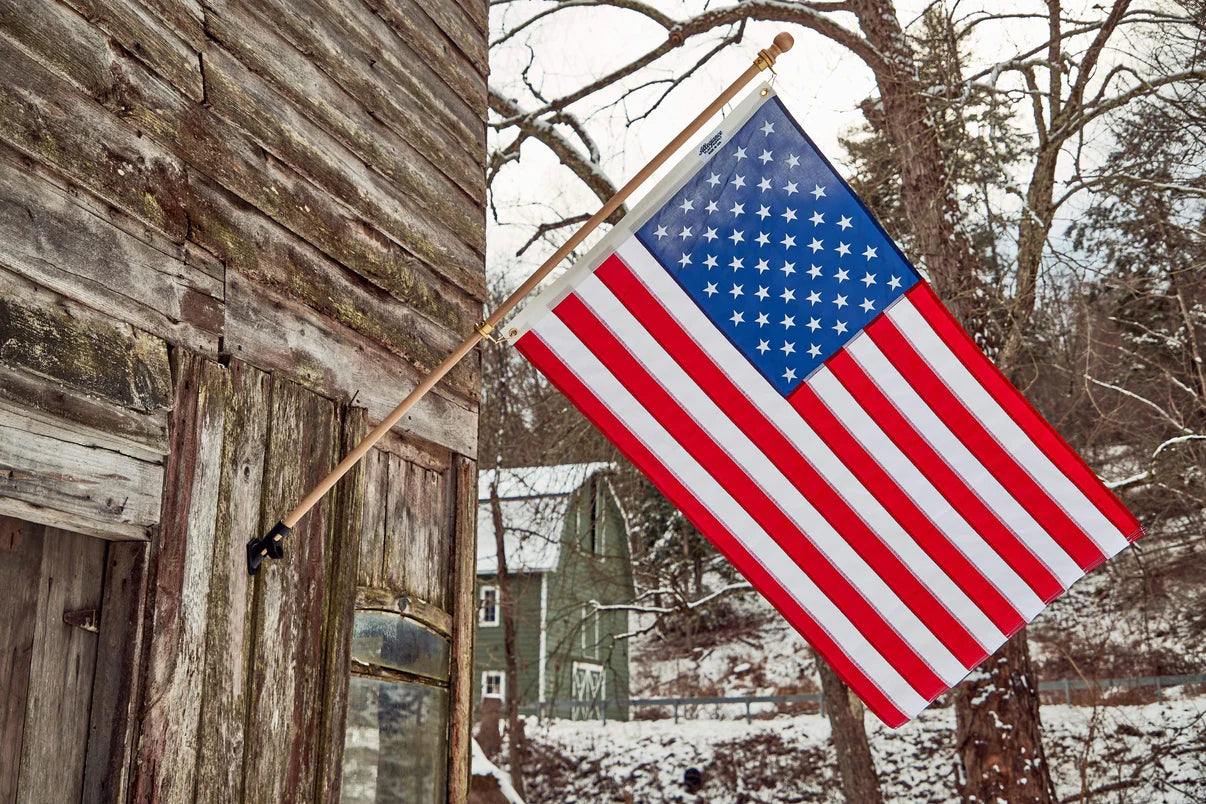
{"type": "Point", "coordinates": [269, 545]}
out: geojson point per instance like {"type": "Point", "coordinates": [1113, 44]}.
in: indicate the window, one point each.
{"type": "Point", "coordinates": [395, 746]}
{"type": "Point", "coordinates": [589, 628]}
{"type": "Point", "coordinates": [494, 684]}
{"type": "Point", "coordinates": [594, 534]}
{"type": "Point", "coordinates": [488, 608]}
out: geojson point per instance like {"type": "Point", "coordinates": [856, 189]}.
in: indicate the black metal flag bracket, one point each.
{"type": "Point", "coordinates": [266, 546]}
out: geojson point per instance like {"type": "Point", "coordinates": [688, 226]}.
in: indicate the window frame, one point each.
{"type": "Point", "coordinates": [481, 606]}
{"type": "Point", "coordinates": [502, 684]}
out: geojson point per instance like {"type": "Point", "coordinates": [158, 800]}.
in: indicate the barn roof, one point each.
{"type": "Point", "coordinates": [534, 500]}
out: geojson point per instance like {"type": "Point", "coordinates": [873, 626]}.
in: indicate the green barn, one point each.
{"type": "Point", "coordinates": [566, 545]}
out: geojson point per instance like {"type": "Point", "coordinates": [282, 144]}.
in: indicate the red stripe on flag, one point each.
{"type": "Point", "coordinates": [697, 364]}
{"type": "Point", "coordinates": [956, 565]}
{"type": "Point", "coordinates": [968, 429]}
{"type": "Point", "coordinates": [1023, 413]}
{"type": "Point", "coordinates": [692, 437]}
{"type": "Point", "coordinates": [943, 478]}
{"type": "Point", "coordinates": [537, 353]}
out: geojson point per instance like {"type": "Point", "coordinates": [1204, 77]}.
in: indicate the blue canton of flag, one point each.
{"type": "Point", "coordinates": [777, 250]}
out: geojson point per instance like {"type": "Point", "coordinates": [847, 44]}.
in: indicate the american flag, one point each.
{"type": "Point", "coordinates": [758, 346]}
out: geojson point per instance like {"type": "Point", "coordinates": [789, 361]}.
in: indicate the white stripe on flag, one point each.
{"type": "Point", "coordinates": [646, 428]}
{"type": "Point", "coordinates": [782, 415]}
{"type": "Point", "coordinates": [975, 475]}
{"type": "Point", "coordinates": [929, 499]}
{"type": "Point", "coordinates": [759, 468]}
{"type": "Point", "coordinates": [1003, 428]}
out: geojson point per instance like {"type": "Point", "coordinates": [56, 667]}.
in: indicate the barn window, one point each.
{"type": "Point", "coordinates": [494, 684]}
{"type": "Point", "coordinates": [594, 532]}
{"type": "Point", "coordinates": [396, 748]}
{"type": "Point", "coordinates": [488, 608]}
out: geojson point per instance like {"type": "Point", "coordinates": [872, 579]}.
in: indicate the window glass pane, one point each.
{"type": "Point", "coordinates": [396, 747]}
{"type": "Point", "coordinates": [389, 640]}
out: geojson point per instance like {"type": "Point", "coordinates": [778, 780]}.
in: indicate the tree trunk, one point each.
{"type": "Point", "coordinates": [927, 195]}
{"type": "Point", "coordinates": [860, 784]}
{"type": "Point", "coordinates": [516, 748]}
{"type": "Point", "coordinates": [998, 735]}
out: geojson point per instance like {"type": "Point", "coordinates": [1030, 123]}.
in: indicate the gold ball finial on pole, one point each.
{"type": "Point", "coordinates": [782, 43]}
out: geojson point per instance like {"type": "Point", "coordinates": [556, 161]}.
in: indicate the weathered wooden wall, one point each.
{"type": "Point", "coordinates": [233, 234]}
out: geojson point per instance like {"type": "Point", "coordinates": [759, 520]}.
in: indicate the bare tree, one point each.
{"type": "Point", "coordinates": [506, 602]}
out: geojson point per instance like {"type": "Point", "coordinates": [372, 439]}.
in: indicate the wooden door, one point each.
{"type": "Point", "coordinates": [46, 665]}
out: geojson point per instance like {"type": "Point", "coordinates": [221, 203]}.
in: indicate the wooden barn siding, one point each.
{"type": "Point", "coordinates": [304, 170]}
{"type": "Point", "coordinates": [222, 225]}
{"type": "Point", "coordinates": [245, 689]}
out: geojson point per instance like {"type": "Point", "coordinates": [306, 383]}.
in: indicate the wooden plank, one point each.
{"type": "Point", "coordinates": [372, 530]}
{"type": "Point", "coordinates": [269, 253]}
{"type": "Point", "coordinates": [436, 536]}
{"type": "Point", "coordinates": [47, 476]}
{"type": "Point", "coordinates": [113, 720]}
{"type": "Point", "coordinates": [464, 611]}
{"type": "Point", "coordinates": [43, 28]}
{"type": "Point", "coordinates": [417, 551]}
{"type": "Point", "coordinates": [39, 396]}
{"type": "Point", "coordinates": [446, 234]}
{"type": "Point", "coordinates": [185, 17]}
{"type": "Point", "coordinates": [404, 147]}
{"type": "Point", "coordinates": [74, 245]}
{"type": "Point", "coordinates": [61, 669]}
{"type": "Point", "coordinates": [398, 525]}
{"type": "Point", "coordinates": [389, 600]}
{"type": "Point", "coordinates": [44, 333]}
{"type": "Point", "coordinates": [282, 741]}
{"type": "Point", "coordinates": [425, 454]}
{"type": "Point", "coordinates": [47, 118]}
{"type": "Point", "coordinates": [152, 41]}
{"type": "Point", "coordinates": [283, 335]}
{"type": "Point", "coordinates": [479, 12]}
{"type": "Point", "coordinates": [180, 568]}
{"type": "Point", "coordinates": [409, 266]}
{"type": "Point", "coordinates": [431, 28]}
{"type": "Point", "coordinates": [228, 639]}
{"type": "Point", "coordinates": [20, 568]}
{"type": "Point", "coordinates": [39, 423]}
{"type": "Point", "coordinates": [343, 562]}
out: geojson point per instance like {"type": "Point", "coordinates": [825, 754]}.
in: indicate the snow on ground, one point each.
{"type": "Point", "coordinates": [481, 766]}
{"type": "Point", "coordinates": [1145, 753]}
{"type": "Point", "coordinates": [768, 657]}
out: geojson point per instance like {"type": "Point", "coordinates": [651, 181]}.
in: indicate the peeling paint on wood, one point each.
{"type": "Point", "coordinates": [177, 613]}
{"type": "Point", "coordinates": [464, 610]}
{"type": "Point", "coordinates": [227, 668]}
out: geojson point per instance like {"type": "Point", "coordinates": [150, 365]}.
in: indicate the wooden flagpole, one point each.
{"type": "Point", "coordinates": [269, 545]}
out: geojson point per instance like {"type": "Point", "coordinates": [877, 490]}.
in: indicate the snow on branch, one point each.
{"type": "Point", "coordinates": [1144, 400]}
{"type": "Point", "coordinates": [1145, 477]}
{"type": "Point", "coordinates": [683, 605]}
